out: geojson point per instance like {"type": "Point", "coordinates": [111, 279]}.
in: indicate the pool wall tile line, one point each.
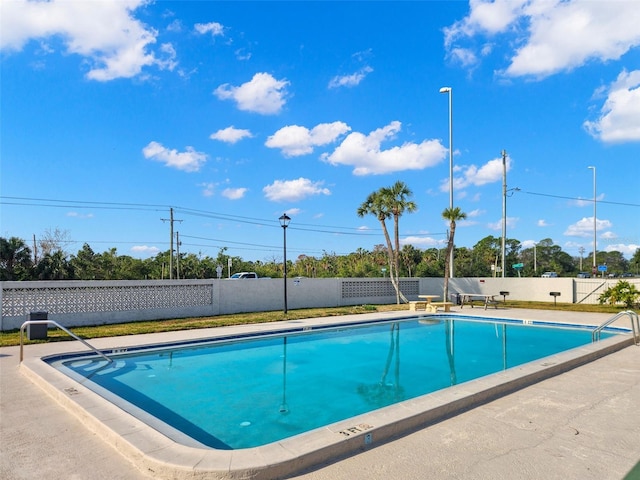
{"type": "Point", "coordinates": [156, 454]}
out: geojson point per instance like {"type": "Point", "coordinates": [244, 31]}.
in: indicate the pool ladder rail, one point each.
{"type": "Point", "coordinates": [635, 326]}
{"type": "Point", "coordinates": [56, 324]}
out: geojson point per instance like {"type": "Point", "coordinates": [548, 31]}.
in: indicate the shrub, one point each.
{"type": "Point", "coordinates": [621, 292]}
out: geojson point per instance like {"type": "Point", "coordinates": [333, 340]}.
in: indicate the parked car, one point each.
{"type": "Point", "coordinates": [583, 275]}
{"type": "Point", "coordinates": [549, 275]}
{"type": "Point", "coordinates": [244, 275]}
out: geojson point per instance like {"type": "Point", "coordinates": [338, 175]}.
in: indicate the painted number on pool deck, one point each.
{"type": "Point", "coordinates": [362, 427]}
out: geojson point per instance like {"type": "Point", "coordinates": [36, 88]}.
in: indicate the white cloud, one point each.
{"type": "Point", "coordinates": [626, 250]}
{"type": "Point", "coordinates": [262, 94]}
{"type": "Point", "coordinates": [584, 227]}
{"type": "Point", "coordinates": [145, 250]}
{"type": "Point", "coordinates": [242, 54]}
{"type": "Point", "coordinates": [214, 28]}
{"type": "Point", "coordinates": [566, 35]}
{"type": "Point", "coordinates": [188, 161]}
{"type": "Point", "coordinates": [230, 134]}
{"type": "Point", "coordinates": [294, 190]}
{"type": "Point", "coordinates": [234, 193]}
{"type": "Point", "coordinates": [365, 153]}
{"type": "Point", "coordinates": [464, 56]}
{"type": "Point", "coordinates": [490, 172]}
{"type": "Point", "coordinates": [542, 223]}
{"type": "Point", "coordinates": [422, 242]}
{"type": "Point", "coordinates": [175, 26]}
{"type": "Point", "coordinates": [293, 211]}
{"type": "Point", "coordinates": [105, 33]}
{"type": "Point", "coordinates": [619, 119]}
{"type": "Point", "coordinates": [350, 80]}
{"type": "Point", "coordinates": [552, 35]}
{"type": "Point", "coordinates": [80, 215]}
{"type": "Point", "coordinates": [497, 225]}
{"type": "Point", "coordinates": [295, 140]}
{"type": "Point", "coordinates": [208, 189]}
{"type": "Point", "coordinates": [475, 213]}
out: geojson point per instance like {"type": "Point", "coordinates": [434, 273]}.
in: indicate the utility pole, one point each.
{"type": "Point", "coordinates": [170, 220]}
{"type": "Point", "coordinates": [35, 250]}
{"type": "Point", "coordinates": [178, 243]}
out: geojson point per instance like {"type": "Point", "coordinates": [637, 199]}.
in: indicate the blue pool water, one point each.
{"type": "Point", "coordinates": [248, 392]}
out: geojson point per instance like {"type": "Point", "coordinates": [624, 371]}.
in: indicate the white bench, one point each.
{"type": "Point", "coordinates": [419, 305]}
{"type": "Point", "coordinates": [433, 306]}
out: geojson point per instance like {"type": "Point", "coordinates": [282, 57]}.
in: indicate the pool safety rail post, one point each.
{"type": "Point", "coordinates": [66, 330]}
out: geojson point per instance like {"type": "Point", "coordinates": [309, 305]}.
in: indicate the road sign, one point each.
{"type": "Point", "coordinates": [602, 268]}
{"type": "Point", "coordinates": [518, 265]}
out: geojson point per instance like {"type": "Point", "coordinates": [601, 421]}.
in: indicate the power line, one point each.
{"type": "Point", "coordinates": [85, 201]}
{"type": "Point", "coordinates": [582, 199]}
{"type": "Point", "coordinates": [188, 211]}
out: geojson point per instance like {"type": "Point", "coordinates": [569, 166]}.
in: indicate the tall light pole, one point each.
{"type": "Point", "coordinates": [450, 92]}
{"type": "Point", "coordinates": [284, 223]}
{"type": "Point", "coordinates": [595, 236]}
{"type": "Point", "coordinates": [504, 206]}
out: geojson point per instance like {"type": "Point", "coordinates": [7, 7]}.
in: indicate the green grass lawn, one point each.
{"type": "Point", "coordinates": [134, 328]}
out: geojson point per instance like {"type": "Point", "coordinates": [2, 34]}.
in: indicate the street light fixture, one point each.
{"type": "Point", "coordinates": [450, 92]}
{"type": "Point", "coordinates": [284, 223]}
{"type": "Point", "coordinates": [595, 269]}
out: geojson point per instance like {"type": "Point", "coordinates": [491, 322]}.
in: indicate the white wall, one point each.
{"type": "Point", "coordinates": [74, 303]}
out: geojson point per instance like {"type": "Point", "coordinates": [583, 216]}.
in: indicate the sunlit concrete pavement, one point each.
{"type": "Point", "coordinates": [583, 424]}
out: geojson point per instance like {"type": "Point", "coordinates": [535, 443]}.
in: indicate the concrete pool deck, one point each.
{"type": "Point", "coordinates": [580, 424]}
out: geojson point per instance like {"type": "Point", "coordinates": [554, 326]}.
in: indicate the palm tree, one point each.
{"type": "Point", "coordinates": [15, 259]}
{"type": "Point", "coordinates": [398, 196]}
{"type": "Point", "coordinates": [386, 203]}
{"type": "Point", "coordinates": [453, 215]}
{"type": "Point", "coordinates": [54, 266]}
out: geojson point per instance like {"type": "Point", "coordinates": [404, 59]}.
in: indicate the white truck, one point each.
{"type": "Point", "coordinates": [244, 275]}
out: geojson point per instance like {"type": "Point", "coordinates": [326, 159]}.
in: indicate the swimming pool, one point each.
{"type": "Point", "coordinates": [245, 392]}
{"type": "Point", "coordinates": [390, 379]}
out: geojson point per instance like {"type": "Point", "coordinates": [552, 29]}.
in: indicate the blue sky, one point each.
{"type": "Point", "coordinates": [233, 113]}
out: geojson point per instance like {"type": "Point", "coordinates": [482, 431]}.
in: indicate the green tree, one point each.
{"type": "Point", "coordinates": [634, 264]}
{"type": "Point", "coordinates": [486, 253]}
{"type": "Point", "coordinates": [411, 257]}
{"type": "Point", "coordinates": [15, 259]}
{"type": "Point", "coordinates": [547, 257]}
{"type": "Point", "coordinates": [398, 197]}
{"type": "Point", "coordinates": [85, 264]}
{"type": "Point", "coordinates": [54, 266]}
{"type": "Point", "coordinates": [432, 264]}
{"type": "Point", "coordinates": [615, 262]}
{"type": "Point", "coordinates": [386, 203]}
{"type": "Point", "coordinates": [453, 215]}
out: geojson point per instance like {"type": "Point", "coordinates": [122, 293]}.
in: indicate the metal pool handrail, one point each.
{"type": "Point", "coordinates": [69, 332]}
{"type": "Point", "coordinates": [635, 326]}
